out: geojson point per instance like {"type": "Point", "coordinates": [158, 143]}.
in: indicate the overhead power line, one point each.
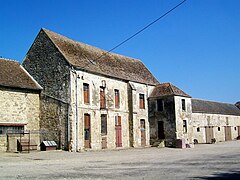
{"type": "Point", "coordinates": [141, 30]}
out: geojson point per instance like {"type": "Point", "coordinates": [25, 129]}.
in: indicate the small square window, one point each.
{"type": "Point", "coordinates": [198, 129]}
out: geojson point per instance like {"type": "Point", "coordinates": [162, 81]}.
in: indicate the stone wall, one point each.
{"type": "Point", "coordinates": [167, 116]}
{"type": "Point", "coordinates": [54, 121]}
{"type": "Point", "coordinates": [182, 115]}
{"type": "Point", "coordinates": [138, 113]}
{"type": "Point", "coordinates": [19, 106]}
{"type": "Point", "coordinates": [79, 108]}
{"type": "Point", "coordinates": [50, 69]}
{"type": "Point", "coordinates": [218, 122]}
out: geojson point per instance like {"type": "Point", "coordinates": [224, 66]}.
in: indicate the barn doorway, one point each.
{"type": "Point", "coordinates": [161, 134]}
{"type": "Point", "coordinates": [87, 131]}
{"type": "Point", "coordinates": [143, 132]}
{"type": "Point", "coordinates": [228, 133]}
{"type": "Point", "coordinates": [209, 134]}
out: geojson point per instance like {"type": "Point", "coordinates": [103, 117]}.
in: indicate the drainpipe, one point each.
{"type": "Point", "coordinates": [76, 87]}
{"type": "Point", "coordinates": [76, 106]}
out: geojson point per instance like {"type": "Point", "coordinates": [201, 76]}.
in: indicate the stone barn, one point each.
{"type": "Point", "coordinates": [174, 116]}
{"type": "Point", "coordinates": [91, 99]}
{"type": "Point", "coordinates": [19, 106]}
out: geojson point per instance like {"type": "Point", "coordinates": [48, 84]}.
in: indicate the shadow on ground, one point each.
{"type": "Point", "coordinates": [221, 176]}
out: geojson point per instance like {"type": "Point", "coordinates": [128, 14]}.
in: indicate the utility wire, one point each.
{"type": "Point", "coordinates": [138, 32]}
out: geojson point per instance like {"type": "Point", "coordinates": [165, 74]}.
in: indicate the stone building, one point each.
{"type": "Point", "coordinates": [174, 116]}
{"type": "Point", "coordinates": [91, 98]}
{"type": "Point", "coordinates": [19, 105]}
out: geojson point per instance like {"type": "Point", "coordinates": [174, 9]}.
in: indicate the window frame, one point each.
{"type": "Point", "coordinates": [183, 104]}
{"type": "Point", "coordinates": [141, 101]}
{"type": "Point", "coordinates": [103, 124]}
{"type": "Point", "coordinates": [117, 98]}
{"type": "Point", "coordinates": [86, 93]}
{"type": "Point", "coordinates": [12, 128]}
{"type": "Point", "coordinates": [184, 126]}
{"type": "Point", "coordinates": [102, 98]}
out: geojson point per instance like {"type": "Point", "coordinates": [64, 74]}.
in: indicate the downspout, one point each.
{"type": "Point", "coordinates": [76, 87]}
{"type": "Point", "coordinates": [76, 107]}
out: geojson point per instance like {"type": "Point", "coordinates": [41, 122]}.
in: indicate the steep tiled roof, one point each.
{"type": "Point", "coordinates": [12, 74]}
{"type": "Point", "coordinates": [95, 60]}
{"type": "Point", "coordinates": [211, 107]}
{"type": "Point", "coordinates": [167, 89]}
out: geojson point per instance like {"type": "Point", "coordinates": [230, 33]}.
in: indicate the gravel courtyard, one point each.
{"type": "Point", "coordinates": [215, 161]}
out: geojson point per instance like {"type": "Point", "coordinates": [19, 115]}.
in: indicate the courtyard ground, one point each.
{"type": "Point", "coordinates": [204, 161]}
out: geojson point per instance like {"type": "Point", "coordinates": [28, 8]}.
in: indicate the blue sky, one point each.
{"type": "Point", "coordinates": [196, 47]}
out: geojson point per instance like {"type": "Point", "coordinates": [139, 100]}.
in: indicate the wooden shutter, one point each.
{"type": "Point", "coordinates": [141, 101]}
{"type": "Point", "coordinates": [116, 98]}
{"type": "Point", "coordinates": [102, 98]}
{"type": "Point", "coordinates": [86, 93]}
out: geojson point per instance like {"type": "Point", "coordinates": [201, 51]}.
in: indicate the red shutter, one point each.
{"type": "Point", "coordinates": [116, 99]}
{"type": "Point", "coordinates": [102, 99]}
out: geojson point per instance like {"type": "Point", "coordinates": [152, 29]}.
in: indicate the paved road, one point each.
{"type": "Point", "coordinates": [215, 161]}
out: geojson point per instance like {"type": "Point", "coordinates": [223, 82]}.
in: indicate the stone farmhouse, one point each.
{"type": "Point", "coordinates": [91, 98]}
{"type": "Point", "coordinates": [174, 115]}
{"type": "Point", "coordinates": [19, 105]}
{"type": "Point", "coordinates": [94, 99]}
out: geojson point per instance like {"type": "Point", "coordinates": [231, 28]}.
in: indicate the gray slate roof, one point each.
{"type": "Point", "coordinates": [211, 107]}
{"type": "Point", "coordinates": [95, 60]}
{"type": "Point", "coordinates": [167, 89]}
{"type": "Point", "coordinates": [13, 75]}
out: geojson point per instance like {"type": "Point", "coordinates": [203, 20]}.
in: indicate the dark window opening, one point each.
{"type": "Point", "coordinates": [184, 126]}
{"type": "Point", "coordinates": [160, 105]}
{"type": "Point", "coordinates": [183, 105]}
{"type": "Point", "coordinates": [11, 129]}
{"type": "Point", "coordinates": [219, 128]}
{"type": "Point", "coordinates": [198, 129]}
{"type": "Point", "coordinates": [104, 124]}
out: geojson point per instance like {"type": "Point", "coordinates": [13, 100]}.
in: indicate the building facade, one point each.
{"type": "Point", "coordinates": [91, 99]}
{"type": "Point", "coordinates": [19, 105]}
{"type": "Point", "coordinates": [174, 116]}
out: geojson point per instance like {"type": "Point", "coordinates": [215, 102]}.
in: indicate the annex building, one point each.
{"type": "Point", "coordinates": [19, 105]}
{"type": "Point", "coordinates": [174, 116]}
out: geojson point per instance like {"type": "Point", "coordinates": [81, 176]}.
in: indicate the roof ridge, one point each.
{"type": "Point", "coordinates": [90, 46]}
{"type": "Point", "coordinates": [212, 101]}
{"type": "Point", "coordinates": [6, 59]}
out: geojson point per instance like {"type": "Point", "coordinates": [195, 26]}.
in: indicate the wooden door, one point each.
{"type": "Point", "coordinates": [228, 133]}
{"type": "Point", "coordinates": [118, 128]}
{"type": "Point", "coordinates": [87, 131]}
{"type": "Point", "coordinates": [161, 134]}
{"type": "Point", "coordinates": [143, 132]}
{"type": "Point", "coordinates": [209, 134]}
{"type": "Point", "coordinates": [238, 130]}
